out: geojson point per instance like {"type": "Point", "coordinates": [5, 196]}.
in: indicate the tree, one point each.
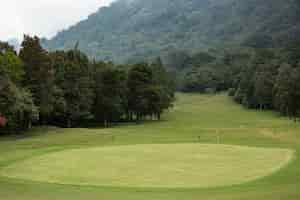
{"type": "Point", "coordinates": [293, 52]}
{"type": "Point", "coordinates": [110, 88]}
{"type": "Point", "coordinates": [140, 78]}
{"type": "Point", "coordinates": [157, 101]}
{"type": "Point", "coordinates": [16, 104]}
{"type": "Point", "coordinates": [12, 66]}
{"type": "Point", "coordinates": [202, 80]}
{"type": "Point", "coordinates": [164, 87]}
{"type": "Point", "coordinates": [295, 93]}
{"type": "Point", "coordinates": [245, 90]}
{"type": "Point", "coordinates": [39, 75]}
{"type": "Point", "coordinates": [264, 80]}
{"type": "Point", "coordinates": [282, 92]}
{"type": "Point", "coordinates": [17, 107]}
{"type": "Point", "coordinates": [150, 90]}
{"type": "Point", "coordinates": [73, 91]}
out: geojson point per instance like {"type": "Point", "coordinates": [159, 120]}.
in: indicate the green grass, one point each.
{"type": "Point", "coordinates": [153, 165]}
{"type": "Point", "coordinates": [196, 119]}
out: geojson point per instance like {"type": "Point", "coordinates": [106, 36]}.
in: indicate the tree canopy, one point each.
{"type": "Point", "coordinates": [67, 89]}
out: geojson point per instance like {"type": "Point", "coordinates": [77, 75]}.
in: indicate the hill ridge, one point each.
{"type": "Point", "coordinates": [133, 30]}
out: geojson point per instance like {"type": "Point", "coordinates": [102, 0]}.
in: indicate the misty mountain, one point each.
{"type": "Point", "coordinates": [132, 30]}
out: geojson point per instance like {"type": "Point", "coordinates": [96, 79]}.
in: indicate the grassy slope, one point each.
{"type": "Point", "coordinates": [193, 116]}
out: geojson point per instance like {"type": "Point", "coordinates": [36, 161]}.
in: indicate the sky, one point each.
{"type": "Point", "coordinates": [43, 17]}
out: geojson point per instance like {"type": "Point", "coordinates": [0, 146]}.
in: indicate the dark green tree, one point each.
{"type": "Point", "coordinates": [163, 89]}
{"type": "Point", "coordinates": [264, 80]}
{"type": "Point", "coordinates": [16, 105]}
{"type": "Point", "coordinates": [140, 78]}
{"type": "Point", "coordinates": [110, 91]}
{"type": "Point", "coordinates": [39, 75]}
{"type": "Point", "coordinates": [74, 93]}
{"type": "Point", "coordinates": [11, 65]}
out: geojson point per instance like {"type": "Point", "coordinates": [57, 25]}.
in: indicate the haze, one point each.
{"type": "Point", "coordinates": [43, 17]}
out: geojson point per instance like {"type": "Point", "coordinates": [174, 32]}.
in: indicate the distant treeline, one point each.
{"type": "Point", "coordinates": [65, 88]}
{"type": "Point", "coordinates": [256, 78]}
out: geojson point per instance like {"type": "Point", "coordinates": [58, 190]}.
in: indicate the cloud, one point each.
{"type": "Point", "coordinates": [43, 17]}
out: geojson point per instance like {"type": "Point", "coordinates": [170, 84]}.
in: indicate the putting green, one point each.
{"type": "Point", "coordinates": [153, 165]}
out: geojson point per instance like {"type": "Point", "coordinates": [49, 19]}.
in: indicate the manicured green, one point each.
{"type": "Point", "coordinates": [153, 165]}
{"type": "Point", "coordinates": [195, 122]}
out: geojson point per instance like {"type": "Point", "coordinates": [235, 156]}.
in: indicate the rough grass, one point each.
{"type": "Point", "coordinates": [194, 119]}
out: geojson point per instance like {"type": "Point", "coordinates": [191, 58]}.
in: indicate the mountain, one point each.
{"type": "Point", "coordinates": [132, 30]}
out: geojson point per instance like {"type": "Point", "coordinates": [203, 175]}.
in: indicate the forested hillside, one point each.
{"type": "Point", "coordinates": [135, 30]}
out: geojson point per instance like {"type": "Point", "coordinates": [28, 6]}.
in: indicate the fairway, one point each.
{"type": "Point", "coordinates": [205, 148]}
{"type": "Point", "coordinates": [154, 165]}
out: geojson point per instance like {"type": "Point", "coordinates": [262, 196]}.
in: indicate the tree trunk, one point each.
{"type": "Point", "coordinates": [69, 123]}
{"type": "Point", "coordinates": [28, 124]}
{"type": "Point", "coordinates": [105, 123]}
{"type": "Point", "coordinates": [159, 116]}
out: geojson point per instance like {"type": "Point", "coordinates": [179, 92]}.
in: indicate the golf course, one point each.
{"type": "Point", "coordinates": [205, 147]}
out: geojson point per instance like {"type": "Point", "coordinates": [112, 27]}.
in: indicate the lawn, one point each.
{"type": "Point", "coordinates": [206, 147]}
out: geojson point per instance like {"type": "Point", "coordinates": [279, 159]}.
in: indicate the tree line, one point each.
{"type": "Point", "coordinates": [258, 78]}
{"type": "Point", "coordinates": [271, 81]}
{"type": "Point", "coordinates": [67, 89]}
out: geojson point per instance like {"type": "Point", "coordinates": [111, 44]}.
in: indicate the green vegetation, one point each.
{"type": "Point", "coordinates": [65, 88]}
{"type": "Point", "coordinates": [153, 165]}
{"type": "Point", "coordinates": [206, 147]}
{"type": "Point", "coordinates": [271, 81]}
{"type": "Point", "coordinates": [257, 78]}
{"type": "Point", "coordinates": [195, 119]}
{"type": "Point", "coordinates": [137, 30]}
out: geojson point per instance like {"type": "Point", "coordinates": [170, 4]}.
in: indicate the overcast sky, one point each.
{"type": "Point", "coordinates": [43, 17]}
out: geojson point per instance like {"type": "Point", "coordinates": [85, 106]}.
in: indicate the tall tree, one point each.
{"type": "Point", "coordinates": [264, 80]}
{"type": "Point", "coordinates": [295, 93]}
{"type": "Point", "coordinates": [17, 109]}
{"type": "Point", "coordinates": [39, 75]}
{"type": "Point", "coordinates": [110, 88]}
{"type": "Point", "coordinates": [282, 92]}
{"type": "Point", "coordinates": [74, 94]}
{"type": "Point", "coordinates": [163, 91]}
{"type": "Point", "coordinates": [140, 78]}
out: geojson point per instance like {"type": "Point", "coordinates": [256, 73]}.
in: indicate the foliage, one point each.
{"type": "Point", "coordinates": [39, 75]}
{"type": "Point", "coordinates": [11, 65]}
{"type": "Point", "coordinates": [257, 78]}
{"type": "Point", "coordinates": [110, 93]}
{"type": "Point", "coordinates": [136, 30]}
{"type": "Point", "coordinates": [73, 78]}
{"type": "Point", "coordinates": [65, 88]}
{"type": "Point", "coordinates": [271, 82]}
{"type": "Point", "coordinates": [200, 80]}
{"type": "Point", "coordinates": [17, 107]}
